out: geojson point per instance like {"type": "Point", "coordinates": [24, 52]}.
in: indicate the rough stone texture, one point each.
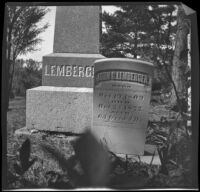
{"type": "Point", "coordinates": [59, 109]}
{"type": "Point", "coordinates": [63, 143]}
{"type": "Point", "coordinates": [77, 79]}
{"type": "Point", "coordinates": [59, 141]}
{"type": "Point", "coordinates": [77, 29]}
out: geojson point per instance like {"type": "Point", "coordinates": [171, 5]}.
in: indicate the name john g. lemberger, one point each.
{"type": "Point", "coordinates": [129, 76]}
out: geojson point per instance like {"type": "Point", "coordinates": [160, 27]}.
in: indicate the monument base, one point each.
{"type": "Point", "coordinates": [63, 143]}
{"type": "Point", "coordinates": [62, 109]}
{"type": "Point", "coordinates": [60, 141]}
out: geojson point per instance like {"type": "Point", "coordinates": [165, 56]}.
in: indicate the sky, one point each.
{"type": "Point", "coordinates": [46, 46]}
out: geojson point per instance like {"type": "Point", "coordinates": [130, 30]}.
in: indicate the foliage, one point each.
{"type": "Point", "coordinates": [142, 31]}
{"type": "Point", "coordinates": [28, 74]}
{"type": "Point", "coordinates": [21, 35]}
{"type": "Point", "coordinates": [22, 29]}
{"type": "Point", "coordinates": [173, 145]}
{"type": "Point", "coordinates": [124, 31]}
{"type": "Point", "coordinates": [31, 76]}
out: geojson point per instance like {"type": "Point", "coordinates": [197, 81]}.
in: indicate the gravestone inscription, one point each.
{"type": "Point", "coordinates": [122, 93]}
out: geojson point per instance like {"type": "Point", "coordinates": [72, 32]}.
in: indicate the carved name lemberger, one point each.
{"type": "Point", "coordinates": [69, 70]}
{"type": "Point", "coordinates": [130, 76]}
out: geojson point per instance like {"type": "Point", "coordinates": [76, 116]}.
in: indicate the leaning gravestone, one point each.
{"type": "Point", "coordinates": [122, 90]}
{"type": "Point", "coordinates": [64, 101]}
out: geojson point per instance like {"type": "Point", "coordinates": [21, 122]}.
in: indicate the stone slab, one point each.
{"type": "Point", "coordinates": [69, 69]}
{"type": "Point", "coordinates": [77, 29]}
{"type": "Point", "coordinates": [64, 109]}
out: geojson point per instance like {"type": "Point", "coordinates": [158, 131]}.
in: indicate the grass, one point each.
{"type": "Point", "coordinates": [137, 174]}
{"type": "Point", "coordinates": [16, 119]}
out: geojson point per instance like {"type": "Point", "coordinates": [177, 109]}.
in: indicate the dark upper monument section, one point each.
{"type": "Point", "coordinates": [77, 29]}
{"type": "Point", "coordinates": [76, 47]}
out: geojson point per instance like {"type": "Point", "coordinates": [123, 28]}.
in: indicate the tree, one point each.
{"type": "Point", "coordinates": [22, 35]}
{"type": "Point", "coordinates": [16, 78]}
{"type": "Point", "coordinates": [179, 68]}
{"type": "Point", "coordinates": [28, 74]}
{"type": "Point", "coordinates": [142, 31]}
{"type": "Point", "coordinates": [125, 31]}
{"type": "Point", "coordinates": [161, 35]}
{"type": "Point", "coordinates": [32, 75]}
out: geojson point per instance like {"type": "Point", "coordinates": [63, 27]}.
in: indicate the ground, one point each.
{"type": "Point", "coordinates": [16, 119]}
{"type": "Point", "coordinates": [133, 175]}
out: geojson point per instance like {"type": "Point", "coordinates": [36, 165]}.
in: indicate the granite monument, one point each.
{"type": "Point", "coordinates": [64, 101]}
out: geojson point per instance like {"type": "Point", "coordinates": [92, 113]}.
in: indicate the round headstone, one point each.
{"type": "Point", "coordinates": [122, 91]}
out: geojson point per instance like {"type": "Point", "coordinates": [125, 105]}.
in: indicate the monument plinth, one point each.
{"type": "Point", "coordinates": [64, 101]}
{"type": "Point", "coordinates": [64, 109]}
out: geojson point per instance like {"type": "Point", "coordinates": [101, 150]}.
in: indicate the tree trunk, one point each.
{"type": "Point", "coordinates": [11, 77]}
{"type": "Point", "coordinates": [180, 59]}
{"type": "Point", "coordinates": [8, 65]}
{"type": "Point", "coordinates": [135, 46]}
{"type": "Point", "coordinates": [7, 92]}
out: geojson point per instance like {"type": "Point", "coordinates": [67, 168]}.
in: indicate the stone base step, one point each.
{"type": "Point", "coordinates": [61, 109]}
